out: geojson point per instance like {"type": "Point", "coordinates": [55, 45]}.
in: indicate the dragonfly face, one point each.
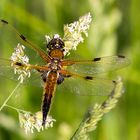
{"type": "Point", "coordinates": [56, 69]}
{"type": "Point", "coordinates": [56, 44]}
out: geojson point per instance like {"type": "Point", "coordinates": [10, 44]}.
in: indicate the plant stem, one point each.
{"type": "Point", "coordinates": [12, 107]}
{"type": "Point", "coordinates": [17, 109]}
{"type": "Point", "coordinates": [95, 113]}
{"type": "Point", "coordinates": [5, 102]}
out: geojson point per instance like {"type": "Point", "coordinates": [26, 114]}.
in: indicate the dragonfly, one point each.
{"type": "Point", "coordinates": [57, 69]}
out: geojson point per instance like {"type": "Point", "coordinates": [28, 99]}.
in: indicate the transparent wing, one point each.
{"type": "Point", "coordinates": [6, 71]}
{"type": "Point", "coordinates": [9, 38]}
{"type": "Point", "coordinates": [97, 65]}
{"type": "Point", "coordinates": [8, 31]}
{"type": "Point", "coordinates": [86, 85]}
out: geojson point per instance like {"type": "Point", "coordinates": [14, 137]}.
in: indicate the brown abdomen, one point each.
{"type": "Point", "coordinates": [49, 89]}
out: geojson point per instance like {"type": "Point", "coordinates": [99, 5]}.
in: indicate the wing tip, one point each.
{"type": "Point", "coordinates": [121, 56]}
{"type": "Point", "coordinates": [4, 21]}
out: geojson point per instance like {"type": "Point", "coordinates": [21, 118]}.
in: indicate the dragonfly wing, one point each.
{"type": "Point", "coordinates": [8, 30]}
{"type": "Point", "coordinates": [97, 65]}
{"type": "Point", "coordinates": [87, 85]}
{"type": "Point", "coordinates": [6, 71]}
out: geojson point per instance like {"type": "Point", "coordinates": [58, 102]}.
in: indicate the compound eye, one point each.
{"type": "Point", "coordinates": [49, 45]}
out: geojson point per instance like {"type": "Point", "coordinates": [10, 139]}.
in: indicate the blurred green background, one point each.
{"type": "Point", "coordinates": [115, 29]}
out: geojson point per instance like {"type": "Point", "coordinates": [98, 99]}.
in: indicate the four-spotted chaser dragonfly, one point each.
{"type": "Point", "coordinates": [57, 69]}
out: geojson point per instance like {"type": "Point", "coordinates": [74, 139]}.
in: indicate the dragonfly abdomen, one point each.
{"type": "Point", "coordinates": [49, 90]}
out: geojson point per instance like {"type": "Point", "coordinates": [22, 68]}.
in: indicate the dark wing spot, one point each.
{"type": "Point", "coordinates": [88, 78]}
{"type": "Point", "coordinates": [114, 81]}
{"type": "Point", "coordinates": [121, 56]}
{"type": "Point", "coordinates": [18, 64]}
{"type": "Point", "coordinates": [23, 37]}
{"type": "Point", "coordinates": [97, 59]}
{"type": "Point", "coordinates": [4, 21]}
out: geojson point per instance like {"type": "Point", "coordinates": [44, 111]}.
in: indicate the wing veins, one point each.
{"type": "Point", "coordinates": [97, 65]}
{"type": "Point", "coordinates": [25, 41]}
{"type": "Point", "coordinates": [88, 85]}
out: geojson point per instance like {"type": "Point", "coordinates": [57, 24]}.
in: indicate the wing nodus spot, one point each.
{"type": "Point", "coordinates": [23, 37]}
{"type": "Point", "coordinates": [88, 78]}
{"type": "Point", "coordinates": [18, 64]}
{"type": "Point", "coordinates": [97, 59]}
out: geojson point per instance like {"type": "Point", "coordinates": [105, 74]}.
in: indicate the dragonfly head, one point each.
{"type": "Point", "coordinates": [55, 43]}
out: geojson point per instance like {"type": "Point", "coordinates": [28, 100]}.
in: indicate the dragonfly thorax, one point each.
{"type": "Point", "coordinates": [54, 64]}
